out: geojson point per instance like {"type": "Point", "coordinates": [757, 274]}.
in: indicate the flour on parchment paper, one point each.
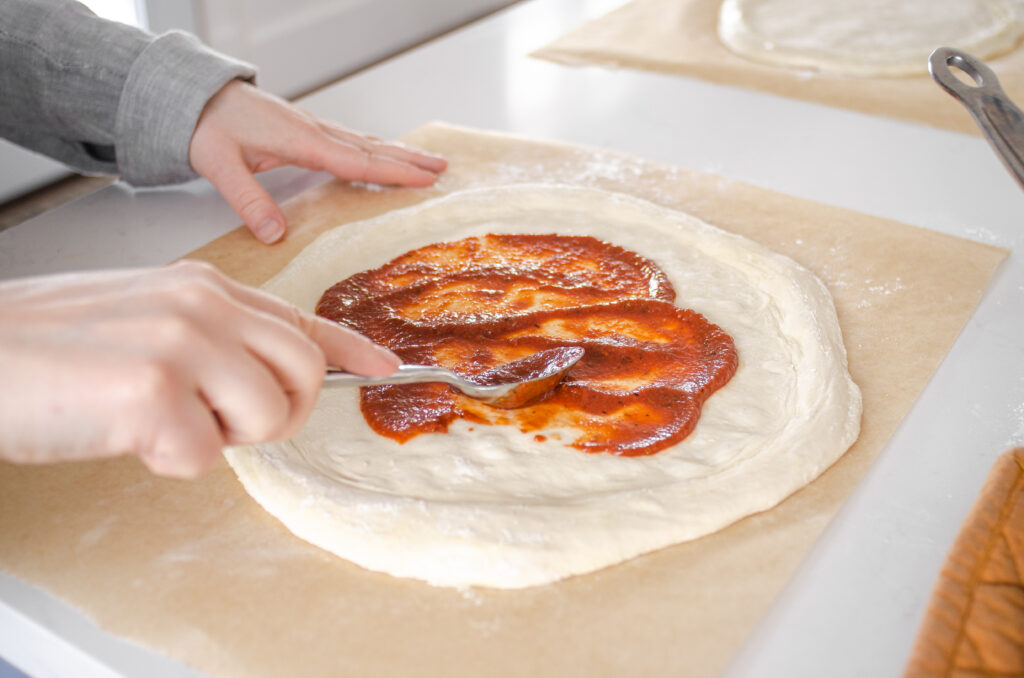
{"type": "Point", "coordinates": [490, 506]}
{"type": "Point", "coordinates": [867, 37]}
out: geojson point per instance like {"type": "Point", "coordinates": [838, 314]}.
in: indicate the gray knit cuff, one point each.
{"type": "Point", "coordinates": [165, 92]}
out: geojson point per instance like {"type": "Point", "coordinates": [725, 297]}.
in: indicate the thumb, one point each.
{"type": "Point", "coordinates": [249, 200]}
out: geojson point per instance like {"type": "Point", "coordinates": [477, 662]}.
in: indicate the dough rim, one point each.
{"type": "Point", "coordinates": [1002, 35]}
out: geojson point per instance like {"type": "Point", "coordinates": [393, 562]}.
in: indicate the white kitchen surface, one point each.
{"type": "Point", "coordinates": [854, 606]}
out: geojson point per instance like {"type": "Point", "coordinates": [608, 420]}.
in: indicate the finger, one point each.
{"type": "Point", "coordinates": [348, 349]}
{"type": "Point", "coordinates": [205, 347]}
{"type": "Point", "coordinates": [258, 372]}
{"type": "Point", "coordinates": [247, 397]}
{"type": "Point", "coordinates": [295, 360]}
{"type": "Point", "coordinates": [248, 199]}
{"type": "Point", "coordinates": [411, 156]}
{"type": "Point", "coordinates": [186, 443]}
{"type": "Point", "coordinates": [351, 163]}
{"type": "Point", "coordinates": [341, 346]}
{"type": "Point", "coordinates": [256, 298]}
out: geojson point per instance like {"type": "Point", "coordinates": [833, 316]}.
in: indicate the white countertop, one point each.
{"type": "Point", "coordinates": [854, 606]}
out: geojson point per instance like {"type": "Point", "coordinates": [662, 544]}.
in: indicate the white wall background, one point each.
{"type": "Point", "coordinates": [302, 44]}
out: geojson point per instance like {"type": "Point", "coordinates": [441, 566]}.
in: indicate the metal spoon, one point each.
{"type": "Point", "coordinates": [507, 386]}
{"type": "Point", "coordinates": [997, 116]}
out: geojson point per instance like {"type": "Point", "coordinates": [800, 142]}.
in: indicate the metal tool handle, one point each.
{"type": "Point", "coordinates": [997, 116]}
{"type": "Point", "coordinates": [406, 374]}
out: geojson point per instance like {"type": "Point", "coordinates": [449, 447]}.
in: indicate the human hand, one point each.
{"type": "Point", "coordinates": [170, 364]}
{"type": "Point", "coordinates": [244, 130]}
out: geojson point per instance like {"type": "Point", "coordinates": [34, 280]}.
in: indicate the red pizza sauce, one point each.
{"type": "Point", "coordinates": [477, 303]}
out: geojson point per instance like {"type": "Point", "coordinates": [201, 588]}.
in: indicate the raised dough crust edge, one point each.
{"type": "Point", "coordinates": [425, 530]}
{"type": "Point", "coordinates": [984, 28]}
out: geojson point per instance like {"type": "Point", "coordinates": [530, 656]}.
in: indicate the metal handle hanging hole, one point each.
{"type": "Point", "coordinates": [963, 71]}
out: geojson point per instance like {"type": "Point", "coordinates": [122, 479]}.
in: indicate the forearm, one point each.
{"type": "Point", "coordinates": [101, 96]}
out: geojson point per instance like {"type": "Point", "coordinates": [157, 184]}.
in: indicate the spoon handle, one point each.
{"type": "Point", "coordinates": [406, 374]}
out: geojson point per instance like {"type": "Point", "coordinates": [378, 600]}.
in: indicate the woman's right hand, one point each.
{"type": "Point", "coordinates": [170, 364]}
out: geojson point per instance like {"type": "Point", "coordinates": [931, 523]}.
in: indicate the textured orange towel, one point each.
{"type": "Point", "coordinates": [975, 620]}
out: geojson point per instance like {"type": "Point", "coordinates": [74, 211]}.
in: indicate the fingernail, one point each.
{"type": "Point", "coordinates": [270, 231]}
{"type": "Point", "coordinates": [389, 357]}
{"type": "Point", "coordinates": [439, 161]}
{"type": "Point", "coordinates": [387, 354]}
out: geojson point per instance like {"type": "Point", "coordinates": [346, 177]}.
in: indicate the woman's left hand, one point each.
{"type": "Point", "coordinates": [244, 130]}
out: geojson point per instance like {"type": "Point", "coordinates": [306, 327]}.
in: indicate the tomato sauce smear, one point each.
{"type": "Point", "coordinates": [474, 304]}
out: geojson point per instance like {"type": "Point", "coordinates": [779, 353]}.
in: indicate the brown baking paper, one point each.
{"type": "Point", "coordinates": [199, 571]}
{"type": "Point", "coordinates": [681, 37]}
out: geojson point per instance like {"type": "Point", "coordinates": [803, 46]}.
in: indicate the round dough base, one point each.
{"type": "Point", "coordinates": [491, 506]}
{"type": "Point", "coordinates": [868, 38]}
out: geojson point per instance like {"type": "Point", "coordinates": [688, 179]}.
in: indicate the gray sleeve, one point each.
{"type": "Point", "coordinates": [102, 96]}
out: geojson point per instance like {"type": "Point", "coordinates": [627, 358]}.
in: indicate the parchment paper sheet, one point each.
{"type": "Point", "coordinates": [681, 37]}
{"type": "Point", "coordinates": [197, 570]}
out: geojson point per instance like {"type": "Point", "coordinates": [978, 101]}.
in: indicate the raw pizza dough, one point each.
{"type": "Point", "coordinates": [495, 507]}
{"type": "Point", "coordinates": [867, 37]}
